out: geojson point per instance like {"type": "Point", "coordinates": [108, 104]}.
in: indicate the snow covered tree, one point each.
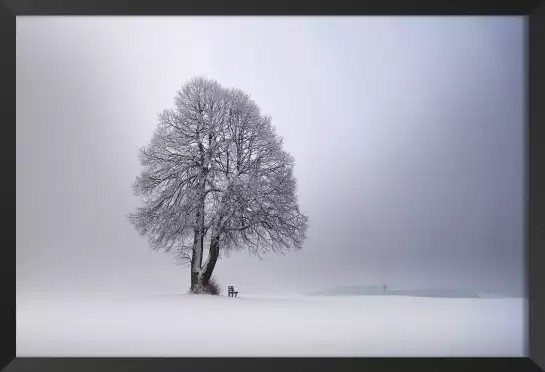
{"type": "Point", "coordinates": [215, 175]}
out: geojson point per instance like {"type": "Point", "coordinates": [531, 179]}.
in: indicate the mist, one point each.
{"type": "Point", "coordinates": [407, 135]}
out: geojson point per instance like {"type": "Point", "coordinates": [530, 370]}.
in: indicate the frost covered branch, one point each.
{"type": "Point", "coordinates": [215, 173]}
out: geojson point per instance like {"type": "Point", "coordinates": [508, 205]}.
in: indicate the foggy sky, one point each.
{"type": "Point", "coordinates": [407, 134]}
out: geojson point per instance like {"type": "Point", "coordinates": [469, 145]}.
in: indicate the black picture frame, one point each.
{"type": "Point", "coordinates": [535, 185]}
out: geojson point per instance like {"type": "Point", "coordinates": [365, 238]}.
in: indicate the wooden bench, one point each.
{"type": "Point", "coordinates": [232, 292]}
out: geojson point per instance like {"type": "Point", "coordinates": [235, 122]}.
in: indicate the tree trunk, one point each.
{"type": "Point", "coordinates": [198, 243]}
{"type": "Point", "coordinates": [211, 261]}
{"type": "Point", "coordinates": [196, 260]}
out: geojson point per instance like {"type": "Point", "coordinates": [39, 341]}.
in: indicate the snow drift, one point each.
{"type": "Point", "coordinates": [201, 325]}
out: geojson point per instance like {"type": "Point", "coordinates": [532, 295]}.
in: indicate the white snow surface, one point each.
{"type": "Point", "coordinates": [168, 325]}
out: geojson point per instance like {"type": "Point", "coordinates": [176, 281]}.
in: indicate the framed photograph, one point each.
{"type": "Point", "coordinates": [242, 186]}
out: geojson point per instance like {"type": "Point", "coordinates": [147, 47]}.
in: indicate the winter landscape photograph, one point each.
{"type": "Point", "coordinates": [270, 186]}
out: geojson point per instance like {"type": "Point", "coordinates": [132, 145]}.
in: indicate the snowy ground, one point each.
{"type": "Point", "coordinates": [252, 325]}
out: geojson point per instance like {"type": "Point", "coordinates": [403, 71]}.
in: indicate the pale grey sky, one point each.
{"type": "Point", "coordinates": [407, 134]}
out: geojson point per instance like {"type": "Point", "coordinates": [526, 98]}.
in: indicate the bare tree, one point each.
{"type": "Point", "coordinates": [215, 172]}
